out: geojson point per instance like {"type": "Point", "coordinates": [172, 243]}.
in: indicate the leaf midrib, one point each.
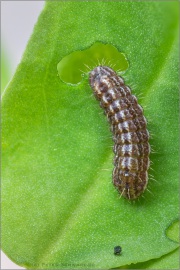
{"type": "Point", "coordinates": [78, 208]}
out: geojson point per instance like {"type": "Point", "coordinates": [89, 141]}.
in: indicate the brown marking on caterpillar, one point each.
{"type": "Point", "coordinates": [128, 126]}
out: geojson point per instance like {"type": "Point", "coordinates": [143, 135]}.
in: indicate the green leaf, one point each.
{"type": "Point", "coordinates": [59, 207]}
{"type": "Point", "coordinates": [173, 231]}
{"type": "Point", "coordinates": [5, 74]}
{"type": "Point", "coordinates": [169, 261]}
{"type": "Point", "coordinates": [72, 67]}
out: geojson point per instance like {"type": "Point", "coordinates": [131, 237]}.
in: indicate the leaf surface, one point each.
{"type": "Point", "coordinates": [60, 209]}
{"type": "Point", "coordinates": [5, 70]}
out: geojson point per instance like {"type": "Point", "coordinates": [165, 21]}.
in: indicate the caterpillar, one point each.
{"type": "Point", "coordinates": [128, 125]}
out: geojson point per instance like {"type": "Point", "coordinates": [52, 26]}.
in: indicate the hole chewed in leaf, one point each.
{"type": "Point", "coordinates": [72, 67]}
{"type": "Point", "coordinates": [172, 231]}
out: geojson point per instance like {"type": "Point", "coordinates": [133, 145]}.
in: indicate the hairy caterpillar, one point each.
{"type": "Point", "coordinates": [128, 126]}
